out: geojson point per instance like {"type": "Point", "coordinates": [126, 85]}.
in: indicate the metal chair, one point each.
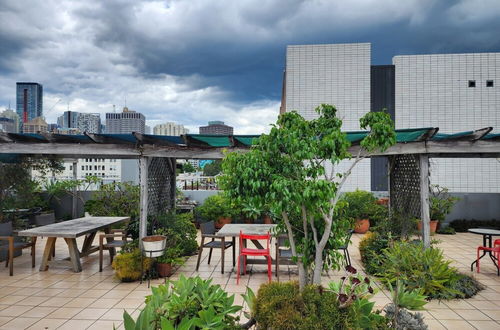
{"type": "Point", "coordinates": [496, 254]}
{"type": "Point", "coordinates": [283, 253]}
{"type": "Point", "coordinates": [344, 248]}
{"type": "Point", "coordinates": [208, 231]}
{"type": "Point", "coordinates": [7, 234]}
{"type": "Point", "coordinates": [111, 244]}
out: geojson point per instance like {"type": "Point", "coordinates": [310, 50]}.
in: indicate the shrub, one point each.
{"type": "Point", "coordinates": [467, 285]}
{"type": "Point", "coordinates": [280, 305]}
{"type": "Point", "coordinates": [115, 199]}
{"type": "Point", "coordinates": [362, 204]}
{"type": "Point", "coordinates": [371, 248]}
{"type": "Point", "coordinates": [189, 303]}
{"type": "Point", "coordinates": [127, 265]}
{"type": "Point", "coordinates": [463, 225]}
{"type": "Point", "coordinates": [215, 207]}
{"type": "Point", "coordinates": [179, 230]}
{"type": "Point", "coordinates": [446, 231]}
{"type": "Point", "coordinates": [421, 269]}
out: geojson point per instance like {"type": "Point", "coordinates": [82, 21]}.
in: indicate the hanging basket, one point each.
{"type": "Point", "coordinates": [154, 246]}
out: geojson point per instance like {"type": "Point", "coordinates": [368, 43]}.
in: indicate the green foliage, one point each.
{"type": "Point", "coordinates": [213, 168]}
{"type": "Point", "coordinates": [409, 299]}
{"type": "Point", "coordinates": [179, 230]}
{"type": "Point", "coordinates": [189, 303]}
{"type": "Point", "coordinates": [420, 269]}
{"type": "Point", "coordinates": [467, 285]}
{"type": "Point", "coordinates": [463, 225]}
{"type": "Point", "coordinates": [441, 202]}
{"type": "Point", "coordinates": [127, 265]}
{"type": "Point", "coordinates": [397, 225]}
{"type": "Point", "coordinates": [362, 204]}
{"type": "Point", "coordinates": [115, 199]}
{"type": "Point", "coordinates": [215, 207]}
{"type": "Point", "coordinates": [446, 231]}
{"type": "Point", "coordinates": [281, 305]}
{"type": "Point", "coordinates": [285, 170]}
{"type": "Point", "coordinates": [171, 256]}
{"type": "Point", "coordinates": [371, 247]}
{"type": "Point", "coordinates": [250, 299]}
{"type": "Point", "coordinates": [403, 319]}
{"type": "Point", "coordinates": [188, 168]}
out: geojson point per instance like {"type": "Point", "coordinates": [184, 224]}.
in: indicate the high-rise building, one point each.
{"type": "Point", "coordinates": [170, 129]}
{"type": "Point", "coordinates": [69, 119]}
{"type": "Point", "coordinates": [125, 122]}
{"type": "Point", "coordinates": [9, 115]}
{"type": "Point", "coordinates": [216, 128]}
{"type": "Point", "coordinates": [89, 122]}
{"type": "Point", "coordinates": [29, 100]}
{"type": "Point", "coordinates": [36, 125]}
{"type": "Point", "coordinates": [7, 125]}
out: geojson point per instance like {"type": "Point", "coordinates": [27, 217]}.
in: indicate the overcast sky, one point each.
{"type": "Point", "coordinates": [192, 61]}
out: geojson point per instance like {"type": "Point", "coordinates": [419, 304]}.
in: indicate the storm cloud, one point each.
{"type": "Point", "coordinates": [194, 61]}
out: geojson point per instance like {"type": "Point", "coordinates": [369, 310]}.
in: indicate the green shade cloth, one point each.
{"type": "Point", "coordinates": [213, 140]}
{"type": "Point", "coordinates": [443, 136]}
{"type": "Point", "coordinates": [247, 140]}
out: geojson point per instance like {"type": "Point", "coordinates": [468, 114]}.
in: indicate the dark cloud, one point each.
{"type": "Point", "coordinates": [168, 56]}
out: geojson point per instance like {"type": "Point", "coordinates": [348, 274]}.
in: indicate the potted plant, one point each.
{"type": "Point", "coordinates": [127, 263]}
{"type": "Point", "coordinates": [164, 263]}
{"type": "Point", "coordinates": [217, 208]}
{"type": "Point", "coordinates": [154, 243]}
{"type": "Point", "coordinates": [440, 204]}
{"type": "Point", "coordinates": [361, 205]}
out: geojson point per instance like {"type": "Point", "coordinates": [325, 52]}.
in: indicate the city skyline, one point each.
{"type": "Point", "coordinates": [190, 62]}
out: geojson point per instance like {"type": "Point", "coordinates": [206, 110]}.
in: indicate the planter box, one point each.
{"type": "Point", "coordinates": [43, 219]}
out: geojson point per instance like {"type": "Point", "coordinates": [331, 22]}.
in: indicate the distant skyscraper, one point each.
{"type": "Point", "coordinates": [89, 122]}
{"type": "Point", "coordinates": [29, 98]}
{"type": "Point", "coordinates": [171, 129]}
{"type": "Point", "coordinates": [126, 122]}
{"type": "Point", "coordinates": [69, 119]}
{"type": "Point", "coordinates": [9, 116]}
{"type": "Point", "coordinates": [216, 128]}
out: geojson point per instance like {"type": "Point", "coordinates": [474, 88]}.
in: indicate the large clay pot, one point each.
{"type": "Point", "coordinates": [164, 270]}
{"type": "Point", "coordinates": [433, 223]}
{"type": "Point", "coordinates": [155, 243]}
{"type": "Point", "coordinates": [383, 201]}
{"type": "Point", "coordinates": [222, 221]}
{"type": "Point", "coordinates": [362, 226]}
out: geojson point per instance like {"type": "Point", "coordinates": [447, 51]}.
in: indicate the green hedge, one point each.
{"type": "Point", "coordinates": [462, 225]}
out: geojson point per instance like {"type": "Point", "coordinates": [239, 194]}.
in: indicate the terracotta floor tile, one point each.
{"type": "Point", "coordinates": [19, 323]}
{"type": "Point", "coordinates": [472, 315]}
{"type": "Point", "coordinates": [485, 325]}
{"type": "Point", "coordinates": [90, 314]}
{"type": "Point", "coordinates": [56, 301]}
{"type": "Point", "coordinates": [65, 313]}
{"type": "Point", "coordinates": [47, 324]}
{"type": "Point", "coordinates": [93, 293]}
{"type": "Point", "coordinates": [104, 303]}
{"type": "Point", "coordinates": [10, 300]}
{"type": "Point", "coordinates": [32, 301]}
{"type": "Point", "coordinates": [129, 303]}
{"type": "Point", "coordinates": [103, 324]}
{"type": "Point", "coordinates": [4, 319]}
{"type": "Point", "coordinates": [444, 314]}
{"type": "Point", "coordinates": [76, 325]}
{"type": "Point", "coordinates": [493, 314]}
{"type": "Point", "coordinates": [15, 310]}
{"type": "Point", "coordinates": [114, 314]}
{"type": "Point", "coordinates": [80, 302]}
{"type": "Point", "coordinates": [40, 311]}
{"type": "Point", "coordinates": [456, 324]}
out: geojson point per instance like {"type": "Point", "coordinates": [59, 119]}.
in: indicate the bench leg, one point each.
{"type": "Point", "coordinates": [47, 253]}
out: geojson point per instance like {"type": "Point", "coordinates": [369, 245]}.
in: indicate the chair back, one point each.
{"type": "Point", "coordinates": [6, 229]}
{"type": "Point", "coordinates": [207, 228]}
{"type": "Point", "coordinates": [266, 237]}
{"type": "Point", "coordinates": [282, 241]}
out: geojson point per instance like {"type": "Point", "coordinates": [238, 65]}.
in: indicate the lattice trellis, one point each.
{"type": "Point", "coordinates": [161, 185]}
{"type": "Point", "coordinates": [405, 185]}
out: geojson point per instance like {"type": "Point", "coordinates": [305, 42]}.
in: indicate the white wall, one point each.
{"type": "Point", "coordinates": [433, 91]}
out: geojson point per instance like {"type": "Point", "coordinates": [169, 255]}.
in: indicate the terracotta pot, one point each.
{"type": "Point", "coordinates": [267, 219]}
{"type": "Point", "coordinates": [383, 201]}
{"type": "Point", "coordinates": [248, 220]}
{"type": "Point", "coordinates": [362, 226]}
{"type": "Point", "coordinates": [164, 270]}
{"type": "Point", "coordinates": [222, 221]}
{"type": "Point", "coordinates": [434, 225]}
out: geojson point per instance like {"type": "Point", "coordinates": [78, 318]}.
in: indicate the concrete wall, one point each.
{"type": "Point", "coordinates": [199, 195]}
{"type": "Point", "coordinates": [63, 206]}
{"type": "Point", "coordinates": [479, 206]}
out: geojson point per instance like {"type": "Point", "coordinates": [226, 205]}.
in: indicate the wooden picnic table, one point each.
{"type": "Point", "coordinates": [70, 230]}
{"type": "Point", "coordinates": [233, 230]}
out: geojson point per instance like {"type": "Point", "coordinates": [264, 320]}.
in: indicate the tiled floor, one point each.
{"type": "Point", "coordinates": [61, 299]}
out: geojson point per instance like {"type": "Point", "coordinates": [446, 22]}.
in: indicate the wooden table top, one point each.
{"type": "Point", "coordinates": [73, 228]}
{"type": "Point", "coordinates": [233, 229]}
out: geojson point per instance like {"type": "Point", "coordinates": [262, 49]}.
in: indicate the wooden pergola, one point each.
{"type": "Point", "coordinates": [408, 159]}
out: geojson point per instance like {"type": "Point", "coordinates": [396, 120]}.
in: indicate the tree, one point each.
{"type": "Point", "coordinates": [188, 168]}
{"type": "Point", "coordinates": [293, 170]}
{"type": "Point", "coordinates": [212, 168]}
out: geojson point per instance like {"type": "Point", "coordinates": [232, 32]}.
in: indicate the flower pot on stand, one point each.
{"type": "Point", "coordinates": [433, 225]}
{"type": "Point", "coordinates": [164, 270]}
{"type": "Point", "coordinates": [362, 226]}
{"type": "Point", "coordinates": [222, 221]}
{"type": "Point", "coordinates": [156, 243]}
{"type": "Point", "coordinates": [267, 219]}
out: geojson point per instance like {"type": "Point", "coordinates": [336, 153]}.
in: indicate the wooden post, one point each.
{"type": "Point", "coordinates": [143, 179]}
{"type": "Point", "coordinates": [424, 199]}
{"type": "Point", "coordinates": [74, 206]}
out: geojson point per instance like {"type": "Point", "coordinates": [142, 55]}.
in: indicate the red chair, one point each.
{"type": "Point", "coordinates": [496, 253]}
{"type": "Point", "coordinates": [244, 251]}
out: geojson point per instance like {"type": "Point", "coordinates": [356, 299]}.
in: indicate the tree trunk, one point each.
{"type": "Point", "coordinates": [302, 276]}
{"type": "Point", "coordinates": [318, 266]}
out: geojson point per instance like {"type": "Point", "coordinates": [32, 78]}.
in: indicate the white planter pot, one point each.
{"type": "Point", "coordinates": [154, 243]}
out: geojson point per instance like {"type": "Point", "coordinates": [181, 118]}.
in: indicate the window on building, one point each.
{"type": "Point", "coordinates": [472, 83]}
{"type": "Point", "coordinates": [489, 83]}
{"type": "Point", "coordinates": [71, 167]}
{"type": "Point", "coordinates": [82, 167]}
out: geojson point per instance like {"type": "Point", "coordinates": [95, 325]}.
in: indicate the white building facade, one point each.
{"type": "Point", "coordinates": [455, 92]}
{"type": "Point", "coordinates": [170, 129]}
{"type": "Point", "coordinates": [336, 74]}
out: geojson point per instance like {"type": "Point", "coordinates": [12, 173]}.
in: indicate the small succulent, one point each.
{"type": "Point", "coordinates": [351, 287]}
{"type": "Point", "coordinates": [405, 320]}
